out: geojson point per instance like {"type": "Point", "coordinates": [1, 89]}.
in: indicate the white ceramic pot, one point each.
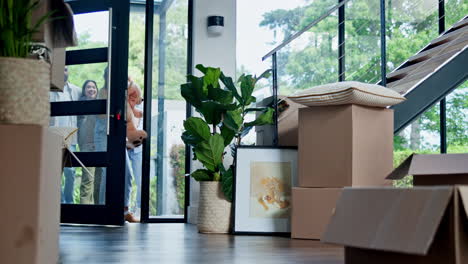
{"type": "Point", "coordinates": [24, 91]}
{"type": "Point", "coordinates": [214, 211]}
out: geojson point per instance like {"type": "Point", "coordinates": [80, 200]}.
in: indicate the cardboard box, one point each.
{"type": "Point", "coordinates": [44, 33]}
{"type": "Point", "coordinates": [57, 68]}
{"type": "Point", "coordinates": [312, 209]}
{"type": "Point", "coordinates": [386, 225]}
{"type": "Point", "coordinates": [58, 32]}
{"type": "Point", "coordinates": [287, 124]}
{"type": "Point", "coordinates": [346, 145]}
{"type": "Point", "coordinates": [434, 169]}
{"type": "Point", "coordinates": [29, 194]}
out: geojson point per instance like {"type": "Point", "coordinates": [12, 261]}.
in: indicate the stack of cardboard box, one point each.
{"type": "Point", "coordinates": [339, 146]}
{"type": "Point", "coordinates": [424, 224]}
{"type": "Point", "coordinates": [31, 157]}
{"type": "Point", "coordinates": [56, 34]}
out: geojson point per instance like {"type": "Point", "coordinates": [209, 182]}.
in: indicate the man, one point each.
{"type": "Point", "coordinates": [70, 93]}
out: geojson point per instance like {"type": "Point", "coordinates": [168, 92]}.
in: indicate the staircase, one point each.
{"type": "Point", "coordinates": [431, 74]}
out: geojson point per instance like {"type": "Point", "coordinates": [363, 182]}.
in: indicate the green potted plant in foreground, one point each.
{"type": "Point", "coordinates": [24, 82]}
{"type": "Point", "coordinates": [223, 112]}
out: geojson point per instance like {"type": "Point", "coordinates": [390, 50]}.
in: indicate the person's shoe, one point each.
{"type": "Point", "coordinates": [130, 218]}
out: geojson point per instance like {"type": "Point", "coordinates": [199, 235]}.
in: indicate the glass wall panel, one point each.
{"type": "Point", "coordinates": [422, 136]}
{"type": "Point", "coordinates": [362, 41]}
{"type": "Point", "coordinates": [411, 25]}
{"type": "Point", "coordinates": [167, 157]}
{"type": "Point", "coordinates": [82, 82]}
{"type": "Point", "coordinates": [454, 11]}
{"type": "Point", "coordinates": [457, 120]}
{"type": "Point", "coordinates": [92, 30]}
{"type": "Point", "coordinates": [83, 185]}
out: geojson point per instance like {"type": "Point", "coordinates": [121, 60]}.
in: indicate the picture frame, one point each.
{"type": "Point", "coordinates": [263, 181]}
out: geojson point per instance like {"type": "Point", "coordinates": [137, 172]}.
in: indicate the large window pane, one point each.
{"type": "Point", "coordinates": [454, 11]}
{"type": "Point", "coordinates": [92, 30]}
{"type": "Point", "coordinates": [83, 185]}
{"type": "Point", "coordinates": [167, 168]}
{"type": "Point", "coordinates": [457, 120]}
{"type": "Point", "coordinates": [83, 82]}
{"type": "Point", "coordinates": [422, 136]}
{"type": "Point", "coordinates": [411, 25]}
{"type": "Point", "coordinates": [362, 41]}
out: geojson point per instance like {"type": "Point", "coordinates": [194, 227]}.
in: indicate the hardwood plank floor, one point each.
{"type": "Point", "coordinates": [181, 243]}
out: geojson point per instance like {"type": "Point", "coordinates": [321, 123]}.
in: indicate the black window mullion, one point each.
{"type": "Point", "coordinates": [86, 56]}
{"type": "Point", "coordinates": [89, 159]}
{"type": "Point", "coordinates": [71, 108]}
{"type": "Point", "coordinates": [88, 6]}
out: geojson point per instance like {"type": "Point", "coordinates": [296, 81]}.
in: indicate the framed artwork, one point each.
{"type": "Point", "coordinates": [263, 180]}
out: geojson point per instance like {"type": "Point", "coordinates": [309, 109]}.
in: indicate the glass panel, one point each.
{"type": "Point", "coordinates": [264, 25]}
{"type": "Point", "coordinates": [83, 186]}
{"type": "Point", "coordinates": [92, 30]}
{"type": "Point", "coordinates": [411, 25]}
{"type": "Point", "coordinates": [83, 82]}
{"type": "Point", "coordinates": [457, 120]}
{"type": "Point", "coordinates": [422, 136]}
{"type": "Point", "coordinates": [167, 180]}
{"type": "Point", "coordinates": [362, 41]}
{"type": "Point", "coordinates": [92, 131]}
{"type": "Point", "coordinates": [454, 11]}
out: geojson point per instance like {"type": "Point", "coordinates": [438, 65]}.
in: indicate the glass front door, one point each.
{"type": "Point", "coordinates": [93, 100]}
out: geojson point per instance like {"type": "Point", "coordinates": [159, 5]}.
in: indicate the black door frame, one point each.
{"type": "Point", "coordinates": [111, 213]}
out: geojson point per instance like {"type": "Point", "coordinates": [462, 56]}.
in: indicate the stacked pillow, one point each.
{"type": "Point", "coordinates": [348, 92]}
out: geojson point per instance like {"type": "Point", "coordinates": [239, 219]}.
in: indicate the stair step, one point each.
{"type": "Point", "coordinates": [423, 65]}
{"type": "Point", "coordinates": [449, 36]}
{"type": "Point", "coordinates": [458, 43]}
{"type": "Point", "coordinates": [403, 88]}
{"type": "Point", "coordinates": [460, 24]}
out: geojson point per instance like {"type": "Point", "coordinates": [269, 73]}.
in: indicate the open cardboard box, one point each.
{"type": "Point", "coordinates": [434, 169]}
{"type": "Point", "coordinates": [389, 225]}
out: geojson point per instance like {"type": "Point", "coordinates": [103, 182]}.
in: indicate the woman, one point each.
{"type": "Point", "coordinates": [86, 126]}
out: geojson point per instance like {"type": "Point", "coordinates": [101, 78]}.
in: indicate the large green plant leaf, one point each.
{"type": "Point", "coordinates": [211, 78]}
{"type": "Point", "coordinates": [227, 81]}
{"type": "Point", "coordinates": [247, 84]}
{"type": "Point", "coordinates": [266, 118]}
{"type": "Point", "coordinates": [190, 139]}
{"type": "Point", "coordinates": [233, 119]}
{"type": "Point", "coordinates": [227, 134]}
{"type": "Point", "coordinates": [193, 92]}
{"type": "Point", "coordinates": [197, 127]}
{"type": "Point", "coordinates": [227, 181]}
{"type": "Point", "coordinates": [213, 111]}
{"type": "Point", "coordinates": [219, 95]}
{"type": "Point", "coordinates": [202, 175]}
{"type": "Point", "coordinates": [266, 74]}
{"type": "Point", "coordinates": [201, 68]}
{"type": "Point", "coordinates": [210, 153]}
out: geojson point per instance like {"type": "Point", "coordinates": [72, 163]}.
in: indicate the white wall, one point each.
{"type": "Point", "coordinates": [214, 51]}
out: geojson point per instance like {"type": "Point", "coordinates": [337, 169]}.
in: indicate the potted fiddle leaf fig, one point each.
{"type": "Point", "coordinates": [223, 109]}
{"type": "Point", "coordinates": [24, 82]}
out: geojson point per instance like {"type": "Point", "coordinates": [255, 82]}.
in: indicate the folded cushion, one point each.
{"type": "Point", "coordinates": [348, 93]}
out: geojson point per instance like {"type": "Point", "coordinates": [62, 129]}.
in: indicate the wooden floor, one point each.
{"type": "Point", "coordinates": [181, 243]}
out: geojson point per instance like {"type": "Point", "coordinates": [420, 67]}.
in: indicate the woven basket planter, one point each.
{"type": "Point", "coordinates": [24, 91]}
{"type": "Point", "coordinates": [214, 211]}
